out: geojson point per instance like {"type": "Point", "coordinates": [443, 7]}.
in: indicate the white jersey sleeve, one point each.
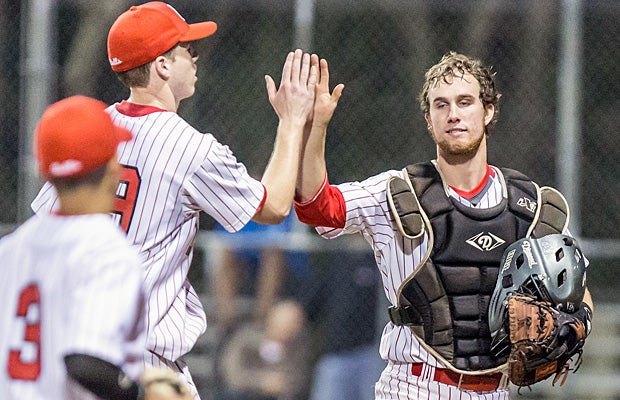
{"type": "Point", "coordinates": [367, 210]}
{"type": "Point", "coordinates": [222, 188]}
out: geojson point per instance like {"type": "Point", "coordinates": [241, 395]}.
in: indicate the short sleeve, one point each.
{"type": "Point", "coordinates": [222, 187]}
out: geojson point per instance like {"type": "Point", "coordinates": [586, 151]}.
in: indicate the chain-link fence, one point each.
{"type": "Point", "coordinates": [379, 49]}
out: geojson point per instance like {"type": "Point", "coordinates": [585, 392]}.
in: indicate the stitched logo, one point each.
{"type": "Point", "coordinates": [527, 204]}
{"type": "Point", "coordinates": [65, 168]}
{"type": "Point", "coordinates": [485, 241]}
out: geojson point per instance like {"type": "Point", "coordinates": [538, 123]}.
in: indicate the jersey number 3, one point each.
{"type": "Point", "coordinates": [27, 365]}
{"type": "Point", "coordinates": [126, 197]}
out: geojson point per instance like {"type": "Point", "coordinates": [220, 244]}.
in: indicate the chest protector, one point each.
{"type": "Point", "coordinates": [445, 301]}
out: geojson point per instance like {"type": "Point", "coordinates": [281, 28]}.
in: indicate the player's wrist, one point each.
{"type": "Point", "coordinates": [584, 314]}
{"type": "Point", "coordinates": [293, 122]}
{"type": "Point", "coordinates": [320, 124]}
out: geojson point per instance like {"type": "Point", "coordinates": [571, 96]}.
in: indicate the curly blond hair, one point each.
{"type": "Point", "coordinates": [454, 64]}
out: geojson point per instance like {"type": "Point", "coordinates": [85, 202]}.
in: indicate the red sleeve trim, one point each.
{"type": "Point", "coordinates": [310, 200]}
{"type": "Point", "coordinates": [325, 208]}
{"type": "Point", "coordinates": [262, 202]}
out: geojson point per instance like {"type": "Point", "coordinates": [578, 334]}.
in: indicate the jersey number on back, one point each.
{"type": "Point", "coordinates": [25, 363]}
{"type": "Point", "coordinates": [126, 197]}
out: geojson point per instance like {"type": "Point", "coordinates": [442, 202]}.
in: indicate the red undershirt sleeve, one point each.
{"type": "Point", "coordinates": [325, 208]}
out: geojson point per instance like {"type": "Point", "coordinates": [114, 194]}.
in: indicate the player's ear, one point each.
{"type": "Point", "coordinates": [489, 112]}
{"type": "Point", "coordinates": [427, 118]}
{"type": "Point", "coordinates": [161, 66]}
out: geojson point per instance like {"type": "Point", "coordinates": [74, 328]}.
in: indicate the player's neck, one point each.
{"type": "Point", "coordinates": [85, 200]}
{"type": "Point", "coordinates": [147, 97]}
{"type": "Point", "coordinates": [463, 174]}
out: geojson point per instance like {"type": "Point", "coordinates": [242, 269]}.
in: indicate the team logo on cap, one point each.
{"type": "Point", "coordinates": [114, 61]}
{"type": "Point", "coordinates": [65, 168]}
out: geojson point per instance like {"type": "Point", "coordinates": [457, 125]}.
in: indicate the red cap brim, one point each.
{"type": "Point", "coordinates": [199, 30]}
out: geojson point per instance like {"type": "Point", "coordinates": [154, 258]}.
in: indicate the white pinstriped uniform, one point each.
{"type": "Point", "coordinates": [76, 282]}
{"type": "Point", "coordinates": [368, 213]}
{"type": "Point", "coordinates": [182, 171]}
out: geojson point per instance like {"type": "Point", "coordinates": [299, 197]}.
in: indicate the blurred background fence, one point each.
{"type": "Point", "coordinates": [557, 65]}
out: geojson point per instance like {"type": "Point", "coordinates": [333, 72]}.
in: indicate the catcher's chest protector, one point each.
{"type": "Point", "coordinates": [446, 301]}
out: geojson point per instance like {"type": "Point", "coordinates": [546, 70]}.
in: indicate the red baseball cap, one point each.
{"type": "Point", "coordinates": [144, 32]}
{"type": "Point", "coordinates": [75, 136]}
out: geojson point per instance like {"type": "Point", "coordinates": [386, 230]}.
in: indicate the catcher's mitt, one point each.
{"type": "Point", "coordinates": [543, 340]}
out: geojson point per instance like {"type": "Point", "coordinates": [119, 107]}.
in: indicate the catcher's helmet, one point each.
{"type": "Point", "coordinates": [551, 268]}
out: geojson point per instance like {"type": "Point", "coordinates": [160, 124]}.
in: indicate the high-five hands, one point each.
{"type": "Point", "coordinates": [294, 98]}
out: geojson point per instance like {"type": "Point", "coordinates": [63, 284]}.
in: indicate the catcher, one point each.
{"type": "Point", "coordinates": [438, 231]}
{"type": "Point", "coordinates": [540, 312]}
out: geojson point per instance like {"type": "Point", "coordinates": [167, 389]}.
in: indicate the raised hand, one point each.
{"type": "Point", "coordinates": [324, 103]}
{"type": "Point", "coordinates": [294, 98]}
{"type": "Point", "coordinates": [312, 167]}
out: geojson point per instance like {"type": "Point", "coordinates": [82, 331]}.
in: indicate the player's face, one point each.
{"type": "Point", "coordinates": [183, 71]}
{"type": "Point", "coordinates": [457, 118]}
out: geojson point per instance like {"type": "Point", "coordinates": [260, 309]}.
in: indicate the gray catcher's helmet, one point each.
{"type": "Point", "coordinates": [551, 268]}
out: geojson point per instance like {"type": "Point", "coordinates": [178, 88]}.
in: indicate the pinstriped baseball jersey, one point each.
{"type": "Point", "coordinates": [70, 284]}
{"type": "Point", "coordinates": [171, 173]}
{"type": "Point", "coordinates": [368, 213]}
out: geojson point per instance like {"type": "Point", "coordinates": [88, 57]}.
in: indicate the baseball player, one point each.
{"type": "Point", "coordinates": [438, 230]}
{"type": "Point", "coordinates": [171, 171]}
{"type": "Point", "coordinates": [72, 320]}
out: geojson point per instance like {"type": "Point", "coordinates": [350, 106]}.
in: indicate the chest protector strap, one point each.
{"type": "Point", "coordinates": [435, 299]}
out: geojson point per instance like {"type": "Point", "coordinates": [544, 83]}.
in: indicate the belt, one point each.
{"type": "Point", "coordinates": [477, 383]}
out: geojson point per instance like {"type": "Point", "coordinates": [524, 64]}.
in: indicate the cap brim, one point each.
{"type": "Point", "coordinates": [199, 30]}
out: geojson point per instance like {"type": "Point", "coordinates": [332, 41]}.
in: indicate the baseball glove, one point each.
{"type": "Point", "coordinates": [543, 341]}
